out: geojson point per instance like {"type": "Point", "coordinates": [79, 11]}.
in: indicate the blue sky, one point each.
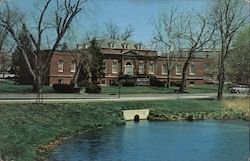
{"type": "Point", "coordinates": [138, 13]}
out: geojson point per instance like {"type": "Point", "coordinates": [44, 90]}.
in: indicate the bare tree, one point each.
{"type": "Point", "coordinates": [128, 33]}
{"type": "Point", "coordinates": [195, 34]}
{"type": "Point", "coordinates": [64, 12]}
{"type": "Point", "coordinates": [6, 44]}
{"type": "Point", "coordinates": [113, 31]}
{"type": "Point", "coordinates": [166, 39]}
{"type": "Point", "coordinates": [228, 16]}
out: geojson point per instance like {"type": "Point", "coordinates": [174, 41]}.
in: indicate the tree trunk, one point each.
{"type": "Point", "coordinates": [183, 79]}
{"type": "Point", "coordinates": [34, 88]}
{"type": "Point", "coordinates": [221, 78]}
{"type": "Point", "coordinates": [168, 79]}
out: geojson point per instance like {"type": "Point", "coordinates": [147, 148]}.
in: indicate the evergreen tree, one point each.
{"type": "Point", "coordinates": [19, 63]}
{"type": "Point", "coordinates": [92, 65]}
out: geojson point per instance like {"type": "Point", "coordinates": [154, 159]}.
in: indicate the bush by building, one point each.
{"type": "Point", "coordinates": [92, 88]}
{"type": "Point", "coordinates": [65, 88]}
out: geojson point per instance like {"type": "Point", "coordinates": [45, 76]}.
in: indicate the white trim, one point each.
{"type": "Point", "coordinates": [116, 68]}
{"type": "Point", "coordinates": [190, 69]}
{"type": "Point", "coordinates": [61, 75]}
{"type": "Point", "coordinates": [129, 66]}
{"type": "Point", "coordinates": [73, 70]}
{"type": "Point", "coordinates": [162, 69]}
{"type": "Point", "coordinates": [176, 69]}
{"type": "Point", "coordinates": [60, 69]}
{"type": "Point", "coordinates": [142, 72]}
{"type": "Point", "coordinates": [151, 63]}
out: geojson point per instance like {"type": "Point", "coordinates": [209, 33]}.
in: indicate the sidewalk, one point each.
{"type": "Point", "coordinates": [25, 98]}
{"type": "Point", "coordinates": [84, 97]}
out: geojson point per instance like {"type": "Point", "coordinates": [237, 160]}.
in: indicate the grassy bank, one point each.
{"type": "Point", "coordinates": [27, 128]}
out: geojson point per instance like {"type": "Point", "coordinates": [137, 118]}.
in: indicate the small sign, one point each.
{"type": "Point", "coordinates": [143, 81]}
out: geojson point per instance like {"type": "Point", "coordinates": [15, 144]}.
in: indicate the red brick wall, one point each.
{"type": "Point", "coordinates": [67, 76]}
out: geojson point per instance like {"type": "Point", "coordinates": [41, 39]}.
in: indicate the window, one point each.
{"type": "Point", "coordinates": [112, 45]}
{"type": "Point", "coordinates": [141, 68]}
{"type": "Point", "coordinates": [60, 81]}
{"type": "Point", "coordinates": [129, 69]}
{"type": "Point", "coordinates": [60, 66]}
{"type": "Point", "coordinates": [73, 66]}
{"type": "Point", "coordinates": [103, 82]}
{"type": "Point", "coordinates": [125, 46]}
{"type": "Point", "coordinates": [138, 46]}
{"type": "Point", "coordinates": [192, 69]}
{"type": "Point", "coordinates": [151, 68]}
{"type": "Point", "coordinates": [178, 69]}
{"type": "Point", "coordinates": [164, 69]}
{"type": "Point", "coordinates": [114, 66]}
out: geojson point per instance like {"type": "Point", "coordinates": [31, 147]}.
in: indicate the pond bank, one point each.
{"type": "Point", "coordinates": [225, 115]}
{"type": "Point", "coordinates": [30, 131]}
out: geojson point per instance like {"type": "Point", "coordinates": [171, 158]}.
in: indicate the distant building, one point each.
{"type": "Point", "coordinates": [131, 58]}
{"type": "Point", "coordinates": [5, 65]}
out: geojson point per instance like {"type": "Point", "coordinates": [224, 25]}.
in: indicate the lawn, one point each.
{"type": "Point", "coordinates": [7, 86]}
{"type": "Point", "coordinates": [10, 87]}
{"type": "Point", "coordinates": [26, 127]}
{"type": "Point", "coordinates": [138, 90]}
{"type": "Point", "coordinates": [159, 90]}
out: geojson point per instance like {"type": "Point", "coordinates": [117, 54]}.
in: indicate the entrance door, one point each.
{"type": "Point", "coordinates": [129, 68]}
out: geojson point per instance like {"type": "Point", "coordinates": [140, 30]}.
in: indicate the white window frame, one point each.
{"type": "Point", "coordinates": [73, 64]}
{"type": "Point", "coordinates": [60, 68]}
{"type": "Point", "coordinates": [126, 46]}
{"type": "Point", "coordinates": [112, 45]}
{"type": "Point", "coordinates": [142, 69]}
{"type": "Point", "coordinates": [116, 68]}
{"type": "Point", "coordinates": [131, 67]}
{"type": "Point", "coordinates": [162, 69]}
{"type": "Point", "coordinates": [153, 68]}
{"type": "Point", "coordinates": [192, 70]}
{"type": "Point", "coordinates": [176, 69]}
{"type": "Point", "coordinates": [103, 82]}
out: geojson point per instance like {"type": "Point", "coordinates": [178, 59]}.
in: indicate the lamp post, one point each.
{"type": "Point", "coordinates": [119, 79]}
{"type": "Point", "coordinates": [119, 86]}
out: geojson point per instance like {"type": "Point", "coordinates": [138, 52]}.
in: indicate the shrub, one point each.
{"type": "Point", "coordinates": [93, 88]}
{"type": "Point", "coordinates": [128, 82]}
{"type": "Point", "coordinates": [177, 83]}
{"type": "Point", "coordinates": [155, 82]}
{"type": "Point", "coordinates": [65, 88]}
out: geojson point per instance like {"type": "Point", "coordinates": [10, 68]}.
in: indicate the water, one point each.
{"type": "Point", "coordinates": [160, 141]}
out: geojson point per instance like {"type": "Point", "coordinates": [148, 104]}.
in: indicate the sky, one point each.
{"type": "Point", "coordinates": [137, 13]}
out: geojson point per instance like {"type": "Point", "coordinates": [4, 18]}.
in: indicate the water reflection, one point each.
{"type": "Point", "coordinates": [154, 141]}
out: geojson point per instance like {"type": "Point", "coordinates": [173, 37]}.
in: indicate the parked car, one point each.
{"type": "Point", "coordinates": [239, 89]}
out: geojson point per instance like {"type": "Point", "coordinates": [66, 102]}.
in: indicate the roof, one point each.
{"type": "Point", "coordinates": [116, 44]}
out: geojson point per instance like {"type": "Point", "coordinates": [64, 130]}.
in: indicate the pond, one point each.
{"type": "Point", "coordinates": [208, 140]}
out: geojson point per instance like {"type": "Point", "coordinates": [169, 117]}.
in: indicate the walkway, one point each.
{"type": "Point", "coordinates": [78, 98]}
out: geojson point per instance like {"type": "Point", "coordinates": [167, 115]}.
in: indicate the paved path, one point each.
{"type": "Point", "coordinates": [31, 98]}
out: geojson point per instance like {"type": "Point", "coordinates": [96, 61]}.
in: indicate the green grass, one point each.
{"type": "Point", "coordinates": [10, 87]}
{"type": "Point", "coordinates": [159, 90]}
{"type": "Point", "coordinates": [207, 88]}
{"type": "Point", "coordinates": [26, 127]}
{"type": "Point", "coordinates": [137, 90]}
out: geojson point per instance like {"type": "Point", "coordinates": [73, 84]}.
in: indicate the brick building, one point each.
{"type": "Point", "coordinates": [131, 58]}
